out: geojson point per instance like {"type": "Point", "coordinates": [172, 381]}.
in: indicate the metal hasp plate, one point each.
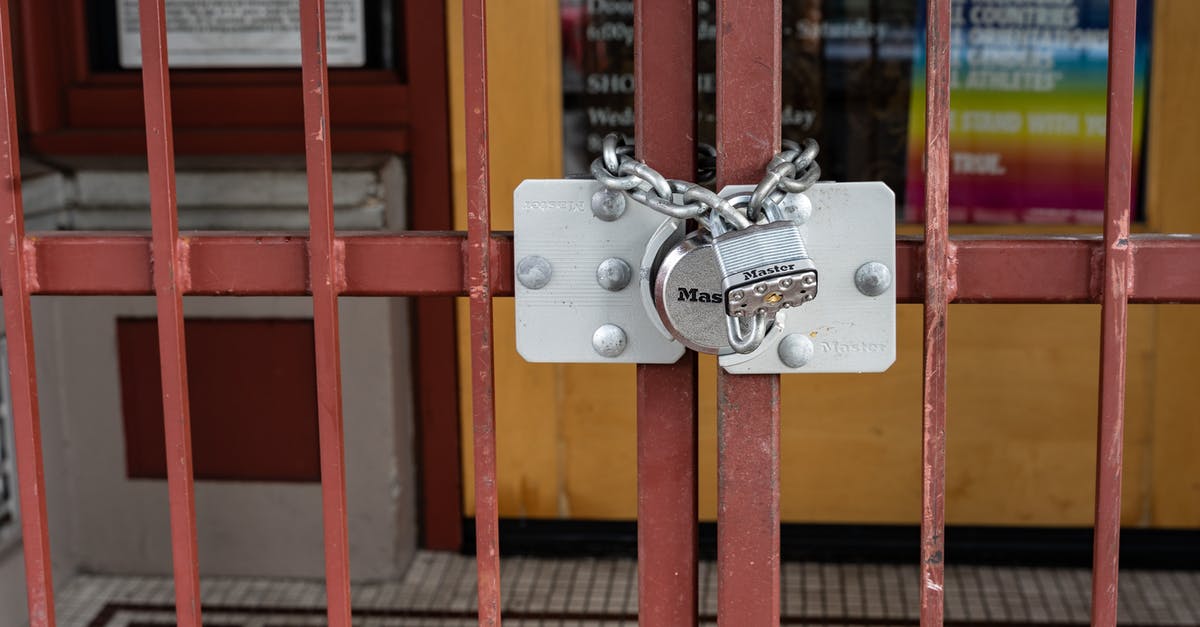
{"type": "Point", "coordinates": [851, 325]}
{"type": "Point", "coordinates": [582, 288]}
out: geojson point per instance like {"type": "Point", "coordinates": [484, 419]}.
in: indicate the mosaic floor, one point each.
{"type": "Point", "coordinates": [439, 590]}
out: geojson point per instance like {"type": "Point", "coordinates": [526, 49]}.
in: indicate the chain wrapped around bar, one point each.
{"type": "Point", "coordinates": [792, 171]}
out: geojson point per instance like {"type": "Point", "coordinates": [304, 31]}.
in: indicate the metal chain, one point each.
{"type": "Point", "coordinates": [792, 171]}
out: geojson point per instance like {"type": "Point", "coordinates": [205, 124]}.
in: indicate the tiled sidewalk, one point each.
{"type": "Point", "coordinates": [439, 591]}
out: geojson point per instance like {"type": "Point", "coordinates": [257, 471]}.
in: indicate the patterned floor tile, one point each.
{"type": "Point", "coordinates": [439, 591]}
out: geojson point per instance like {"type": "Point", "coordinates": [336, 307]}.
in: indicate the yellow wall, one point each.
{"type": "Point", "coordinates": [1174, 464]}
{"type": "Point", "coordinates": [1023, 379]}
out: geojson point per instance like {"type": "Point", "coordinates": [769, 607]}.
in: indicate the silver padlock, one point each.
{"type": "Point", "coordinates": [688, 295]}
{"type": "Point", "coordinates": [708, 291]}
{"type": "Point", "coordinates": [764, 268]}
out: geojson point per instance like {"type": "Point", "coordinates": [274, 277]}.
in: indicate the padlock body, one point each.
{"type": "Point", "coordinates": [765, 267]}
{"type": "Point", "coordinates": [689, 297]}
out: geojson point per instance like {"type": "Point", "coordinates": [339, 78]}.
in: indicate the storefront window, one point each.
{"type": "Point", "coordinates": [1027, 111]}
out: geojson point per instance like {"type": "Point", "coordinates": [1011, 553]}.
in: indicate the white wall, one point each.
{"type": "Point", "coordinates": [102, 522]}
{"type": "Point", "coordinates": [12, 587]}
{"type": "Point", "coordinates": [123, 526]}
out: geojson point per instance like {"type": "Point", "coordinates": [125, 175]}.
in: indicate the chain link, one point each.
{"type": "Point", "coordinates": [792, 171]}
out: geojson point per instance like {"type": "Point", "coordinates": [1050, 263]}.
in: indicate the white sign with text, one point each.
{"type": "Point", "coordinates": [244, 33]}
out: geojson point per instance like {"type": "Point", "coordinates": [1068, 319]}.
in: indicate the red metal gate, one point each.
{"type": "Point", "coordinates": [935, 270]}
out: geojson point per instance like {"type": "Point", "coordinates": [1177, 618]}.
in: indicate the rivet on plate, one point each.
{"type": "Point", "coordinates": [613, 274]}
{"type": "Point", "coordinates": [534, 272]}
{"type": "Point", "coordinates": [608, 205]}
{"type": "Point", "coordinates": [609, 340]}
{"type": "Point", "coordinates": [873, 278]}
{"type": "Point", "coordinates": [795, 350]}
{"type": "Point", "coordinates": [796, 207]}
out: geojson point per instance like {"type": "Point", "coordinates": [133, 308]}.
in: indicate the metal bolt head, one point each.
{"type": "Point", "coordinates": [613, 274]}
{"type": "Point", "coordinates": [808, 280]}
{"type": "Point", "coordinates": [609, 340]}
{"type": "Point", "coordinates": [796, 207]}
{"type": "Point", "coordinates": [736, 295]}
{"type": "Point", "coordinates": [795, 350]}
{"type": "Point", "coordinates": [534, 272]}
{"type": "Point", "coordinates": [760, 289]}
{"type": "Point", "coordinates": [608, 205]}
{"type": "Point", "coordinates": [786, 283]}
{"type": "Point", "coordinates": [873, 278]}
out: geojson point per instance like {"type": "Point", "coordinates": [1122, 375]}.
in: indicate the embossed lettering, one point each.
{"type": "Point", "coordinates": [759, 273]}
{"type": "Point", "coordinates": [694, 295]}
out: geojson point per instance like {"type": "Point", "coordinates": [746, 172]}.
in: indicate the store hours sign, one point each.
{"type": "Point", "coordinates": [243, 33]}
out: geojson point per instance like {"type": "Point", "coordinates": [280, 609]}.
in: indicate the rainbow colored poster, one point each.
{"type": "Point", "coordinates": [1027, 123]}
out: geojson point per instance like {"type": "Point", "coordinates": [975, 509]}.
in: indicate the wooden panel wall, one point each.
{"type": "Point", "coordinates": [1022, 378]}
{"type": "Point", "coordinates": [1173, 468]}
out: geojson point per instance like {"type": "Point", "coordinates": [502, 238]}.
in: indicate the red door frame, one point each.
{"type": "Point", "coordinates": [435, 332]}
{"type": "Point", "coordinates": [69, 109]}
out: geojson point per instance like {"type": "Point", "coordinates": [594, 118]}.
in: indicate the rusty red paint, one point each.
{"type": "Point", "coordinates": [749, 36]}
{"type": "Point", "coordinates": [480, 283]}
{"type": "Point", "coordinates": [989, 270]}
{"type": "Point", "coordinates": [1117, 277]}
{"type": "Point", "coordinates": [326, 267]}
{"type": "Point", "coordinates": [666, 396]}
{"type": "Point", "coordinates": [667, 494]}
{"type": "Point", "coordinates": [665, 86]}
{"type": "Point", "coordinates": [748, 500]}
{"type": "Point", "coordinates": [22, 371]}
{"type": "Point", "coordinates": [998, 270]}
{"type": "Point", "coordinates": [170, 274]}
{"type": "Point", "coordinates": [938, 293]}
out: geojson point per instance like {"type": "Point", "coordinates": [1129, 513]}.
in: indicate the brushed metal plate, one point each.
{"type": "Point", "coordinates": [553, 219]}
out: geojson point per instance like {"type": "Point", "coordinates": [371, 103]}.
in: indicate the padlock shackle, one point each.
{"type": "Point", "coordinates": [748, 343]}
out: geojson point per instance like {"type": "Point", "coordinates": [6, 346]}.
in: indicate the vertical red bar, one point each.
{"type": "Point", "coordinates": [480, 288]}
{"type": "Point", "coordinates": [1118, 259]}
{"type": "Point", "coordinates": [170, 277]}
{"type": "Point", "coordinates": [22, 373]}
{"type": "Point", "coordinates": [665, 94]}
{"type": "Point", "coordinates": [937, 299]}
{"type": "Point", "coordinates": [325, 261]}
{"type": "Point", "coordinates": [749, 42]}
{"type": "Point", "coordinates": [667, 501]}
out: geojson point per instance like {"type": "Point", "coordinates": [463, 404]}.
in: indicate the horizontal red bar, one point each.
{"type": "Point", "coordinates": [212, 141]}
{"type": "Point", "coordinates": [428, 263]}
